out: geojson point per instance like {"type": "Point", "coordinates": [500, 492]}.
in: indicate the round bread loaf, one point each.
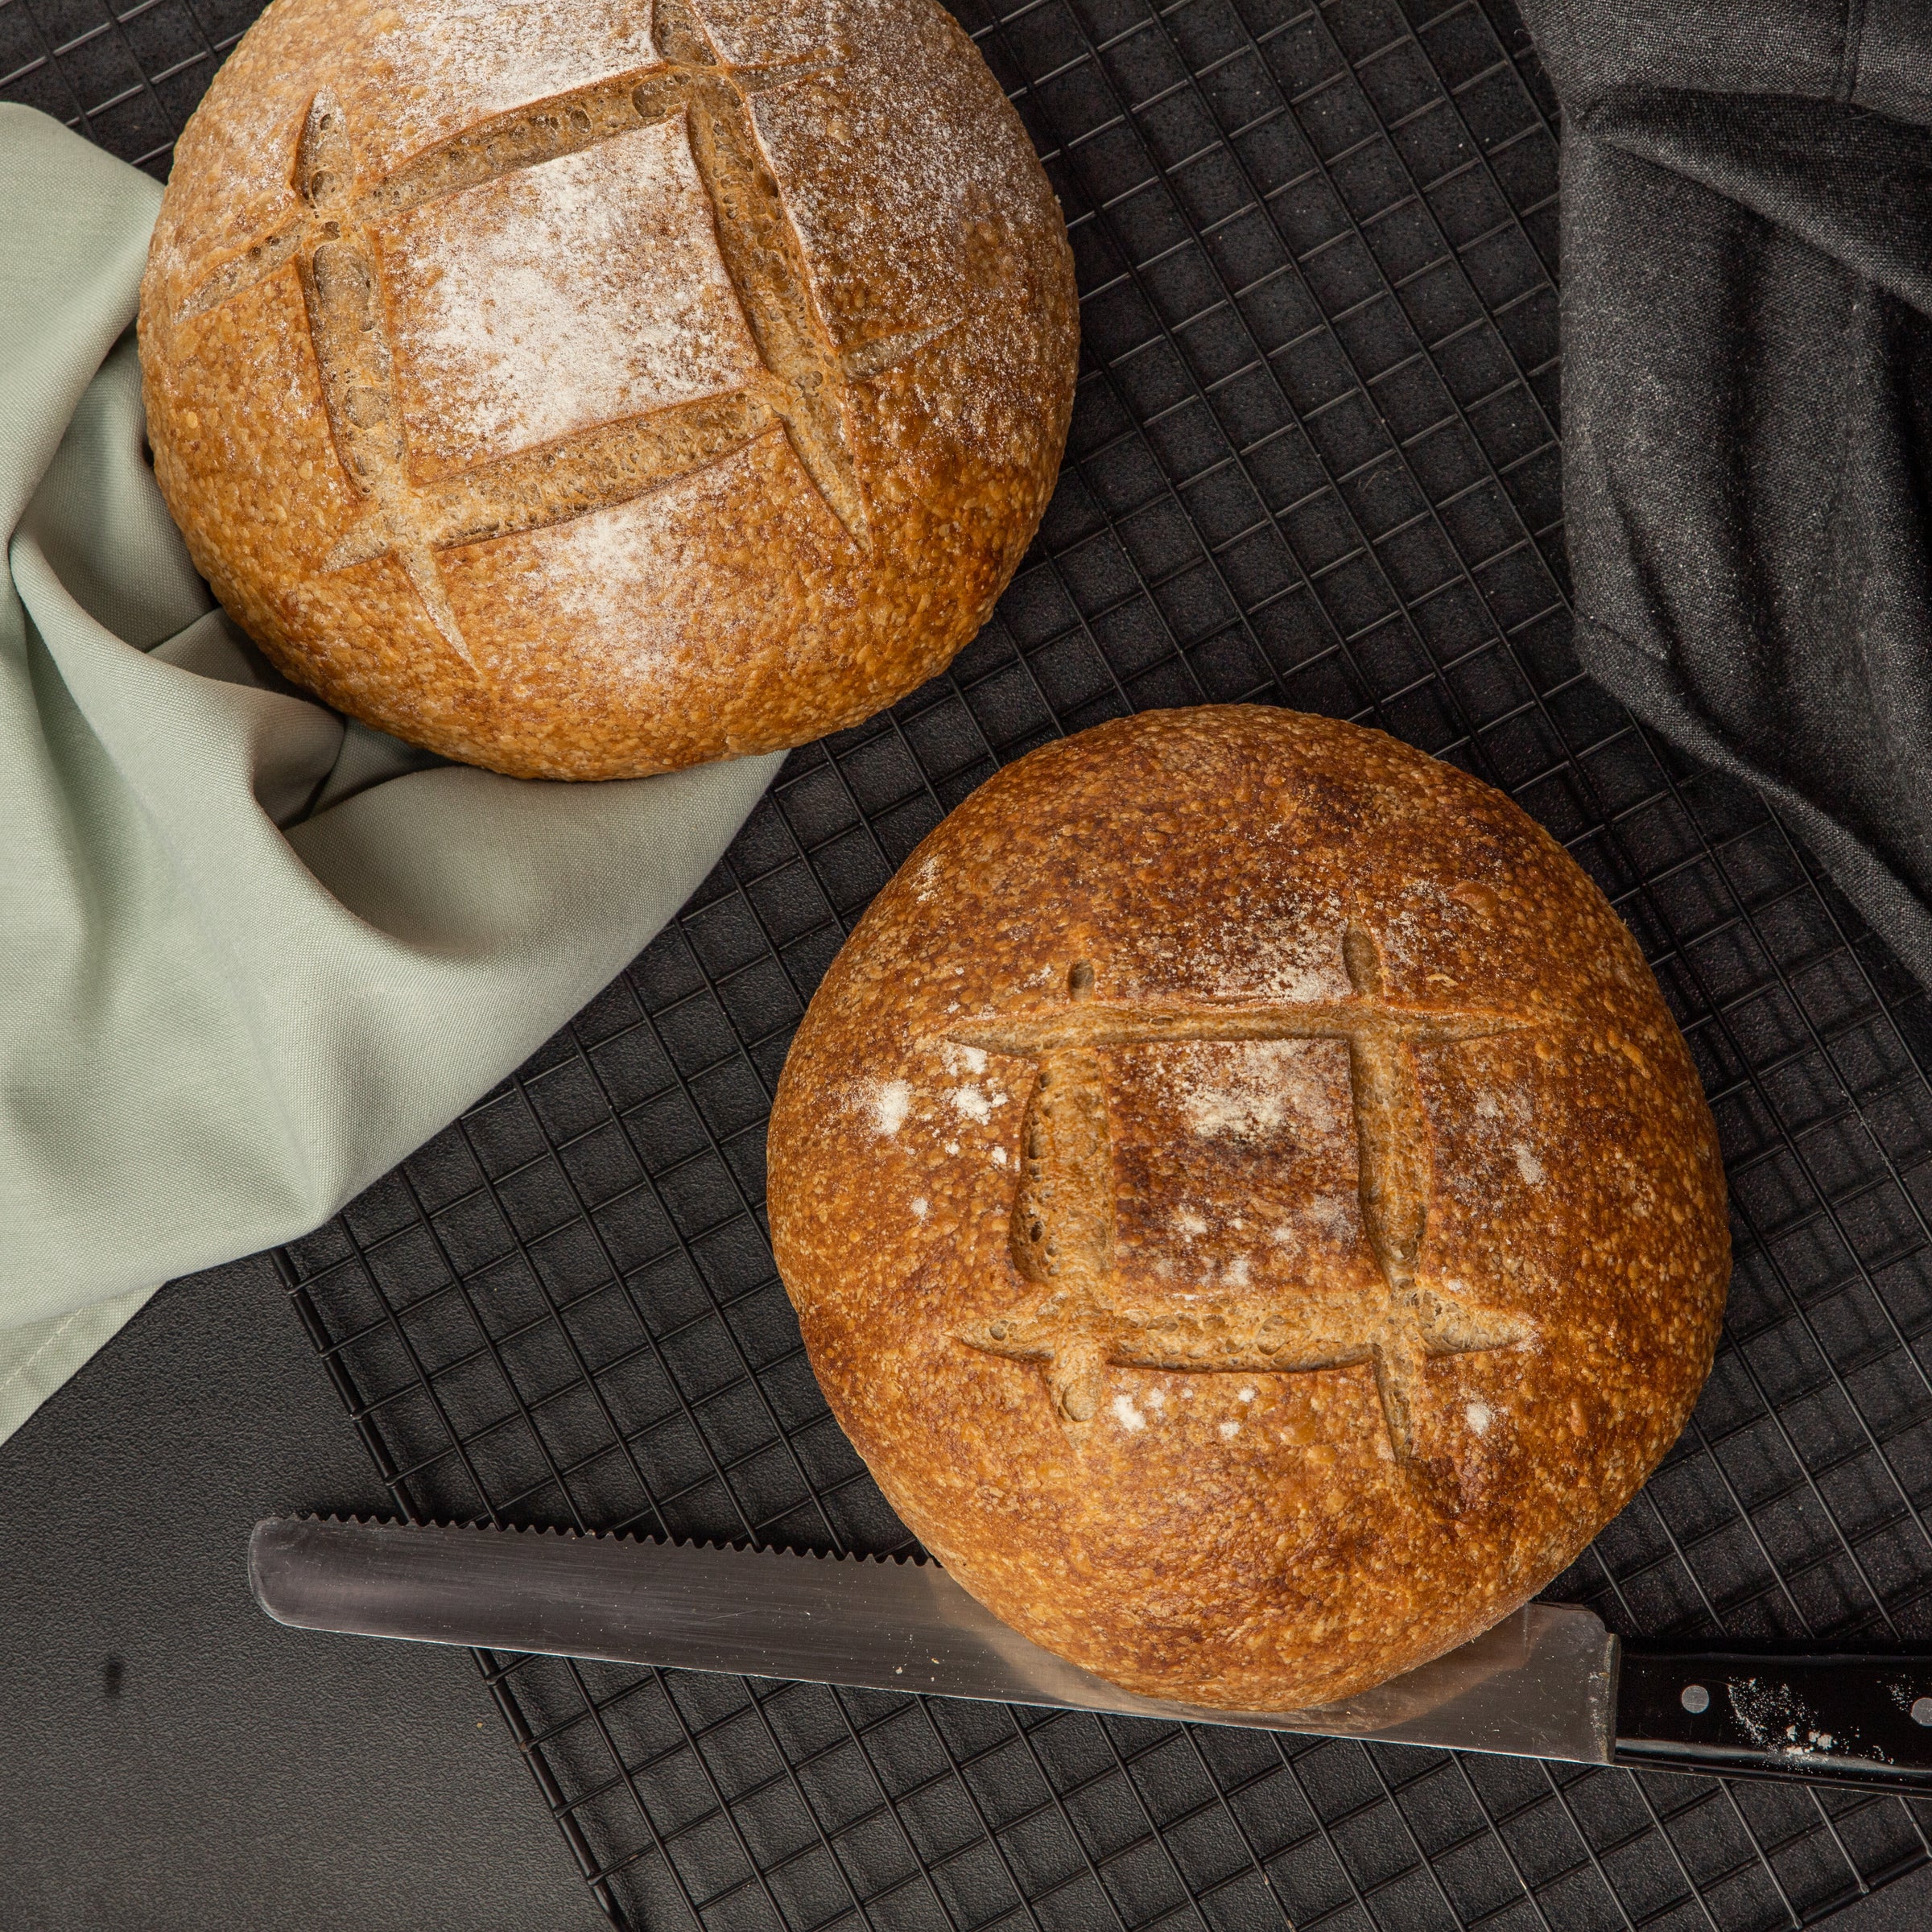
{"type": "Point", "coordinates": [584, 388]}
{"type": "Point", "coordinates": [1245, 1198]}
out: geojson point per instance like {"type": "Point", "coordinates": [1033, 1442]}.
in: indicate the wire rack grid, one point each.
{"type": "Point", "coordinates": [1314, 461]}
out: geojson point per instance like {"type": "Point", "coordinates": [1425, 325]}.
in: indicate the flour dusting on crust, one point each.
{"type": "Point", "coordinates": [750, 31]}
{"type": "Point", "coordinates": [493, 54]}
{"type": "Point", "coordinates": [1255, 1090]}
{"type": "Point", "coordinates": [582, 561]}
{"type": "Point", "coordinates": [583, 290]}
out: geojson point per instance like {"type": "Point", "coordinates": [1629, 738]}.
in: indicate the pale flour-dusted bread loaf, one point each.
{"type": "Point", "coordinates": [584, 388]}
{"type": "Point", "coordinates": [1246, 1200]}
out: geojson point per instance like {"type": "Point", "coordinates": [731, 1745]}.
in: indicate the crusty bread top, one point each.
{"type": "Point", "coordinates": [1245, 1198]}
{"type": "Point", "coordinates": [593, 387]}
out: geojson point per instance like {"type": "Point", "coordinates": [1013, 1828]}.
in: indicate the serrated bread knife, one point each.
{"type": "Point", "coordinates": [1549, 1681]}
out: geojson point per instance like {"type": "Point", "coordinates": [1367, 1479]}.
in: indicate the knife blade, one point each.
{"type": "Point", "coordinates": [1549, 1681]}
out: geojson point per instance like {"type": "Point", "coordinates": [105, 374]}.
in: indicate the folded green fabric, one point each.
{"type": "Point", "coordinates": [250, 954]}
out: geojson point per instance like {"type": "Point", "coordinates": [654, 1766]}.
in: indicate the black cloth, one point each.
{"type": "Point", "coordinates": [1747, 318]}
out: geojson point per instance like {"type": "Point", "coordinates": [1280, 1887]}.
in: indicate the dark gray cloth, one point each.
{"type": "Point", "coordinates": [1747, 291]}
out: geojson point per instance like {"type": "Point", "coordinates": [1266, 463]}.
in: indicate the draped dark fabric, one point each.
{"type": "Point", "coordinates": [1747, 315]}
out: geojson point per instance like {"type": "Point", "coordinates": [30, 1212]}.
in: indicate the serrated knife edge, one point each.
{"type": "Point", "coordinates": [1541, 1683]}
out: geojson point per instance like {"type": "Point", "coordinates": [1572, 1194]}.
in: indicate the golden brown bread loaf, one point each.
{"type": "Point", "coordinates": [584, 388]}
{"type": "Point", "coordinates": [1245, 1198]}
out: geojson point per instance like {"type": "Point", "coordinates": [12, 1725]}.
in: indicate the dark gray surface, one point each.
{"type": "Point", "coordinates": [169, 1759]}
{"type": "Point", "coordinates": [1904, 1907]}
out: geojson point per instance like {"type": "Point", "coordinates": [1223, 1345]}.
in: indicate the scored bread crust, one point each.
{"type": "Point", "coordinates": [586, 388]}
{"type": "Point", "coordinates": [1247, 1201]}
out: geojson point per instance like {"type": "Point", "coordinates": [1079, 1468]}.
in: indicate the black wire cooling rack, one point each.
{"type": "Point", "coordinates": [1314, 461]}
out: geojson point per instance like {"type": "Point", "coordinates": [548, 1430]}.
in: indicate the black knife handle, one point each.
{"type": "Point", "coordinates": [1862, 1720]}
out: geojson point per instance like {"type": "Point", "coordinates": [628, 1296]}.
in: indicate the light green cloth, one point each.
{"type": "Point", "coordinates": [250, 956]}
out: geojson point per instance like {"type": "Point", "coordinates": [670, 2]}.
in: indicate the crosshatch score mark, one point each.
{"type": "Point", "coordinates": [803, 387]}
{"type": "Point", "coordinates": [1063, 1234]}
